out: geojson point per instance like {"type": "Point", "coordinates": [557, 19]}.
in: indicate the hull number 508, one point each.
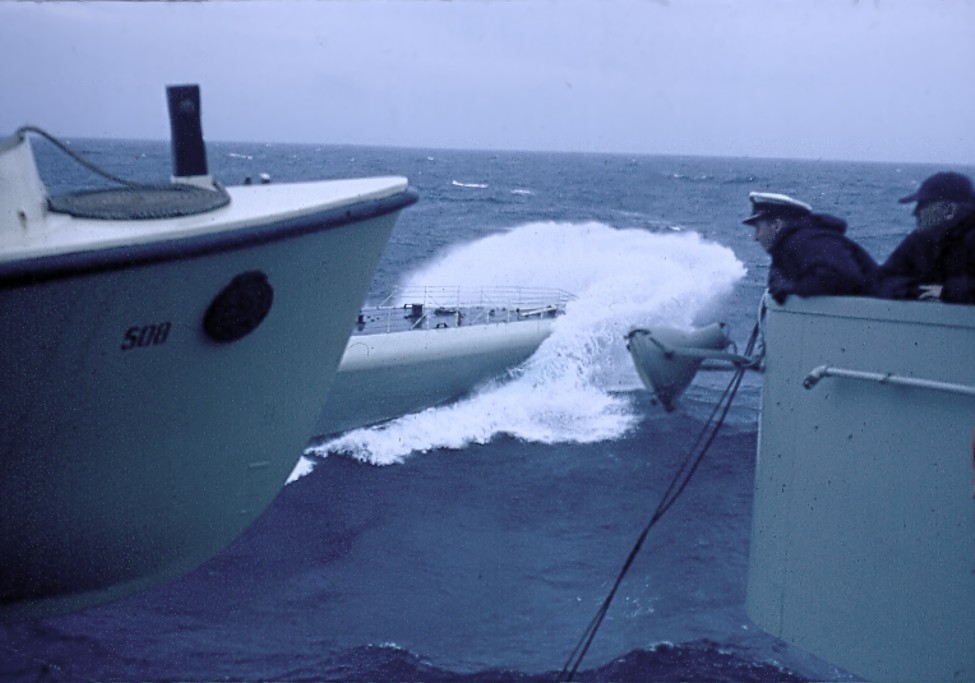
{"type": "Point", "coordinates": [139, 337]}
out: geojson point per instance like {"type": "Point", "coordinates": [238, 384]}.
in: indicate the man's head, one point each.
{"type": "Point", "coordinates": [941, 200]}
{"type": "Point", "coordinates": [771, 212]}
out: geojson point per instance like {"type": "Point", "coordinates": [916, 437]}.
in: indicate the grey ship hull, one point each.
{"type": "Point", "coordinates": [440, 345]}
{"type": "Point", "coordinates": [863, 544]}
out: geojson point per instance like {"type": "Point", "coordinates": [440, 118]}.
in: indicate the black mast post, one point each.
{"type": "Point", "coordinates": [189, 151]}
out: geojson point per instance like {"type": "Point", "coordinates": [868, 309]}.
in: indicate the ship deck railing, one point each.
{"type": "Point", "coordinates": [432, 307]}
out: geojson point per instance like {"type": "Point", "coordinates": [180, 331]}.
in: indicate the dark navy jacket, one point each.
{"type": "Point", "coordinates": [813, 256]}
{"type": "Point", "coordinates": [945, 257]}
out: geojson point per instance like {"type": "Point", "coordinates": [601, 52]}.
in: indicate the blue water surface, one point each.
{"type": "Point", "coordinates": [476, 543]}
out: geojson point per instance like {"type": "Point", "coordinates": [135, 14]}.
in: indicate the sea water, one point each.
{"type": "Point", "coordinates": [477, 540]}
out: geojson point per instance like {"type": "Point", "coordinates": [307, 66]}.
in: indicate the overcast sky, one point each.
{"type": "Point", "coordinates": [874, 80]}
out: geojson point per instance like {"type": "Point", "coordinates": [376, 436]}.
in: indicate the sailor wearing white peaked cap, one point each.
{"type": "Point", "coordinates": [811, 255]}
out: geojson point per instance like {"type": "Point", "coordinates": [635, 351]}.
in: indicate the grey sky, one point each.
{"type": "Point", "coordinates": [884, 80]}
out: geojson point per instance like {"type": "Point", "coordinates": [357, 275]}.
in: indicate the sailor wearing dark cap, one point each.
{"type": "Point", "coordinates": [937, 260]}
{"type": "Point", "coordinates": [811, 255]}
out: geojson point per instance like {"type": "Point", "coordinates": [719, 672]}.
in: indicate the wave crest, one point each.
{"type": "Point", "coordinates": [572, 390]}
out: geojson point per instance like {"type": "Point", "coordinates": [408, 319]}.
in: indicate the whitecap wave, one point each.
{"type": "Point", "coordinates": [573, 389]}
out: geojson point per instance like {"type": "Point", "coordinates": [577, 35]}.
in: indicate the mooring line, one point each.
{"type": "Point", "coordinates": [674, 490]}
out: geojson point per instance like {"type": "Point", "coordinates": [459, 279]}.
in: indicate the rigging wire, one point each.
{"type": "Point", "coordinates": [77, 157]}
{"type": "Point", "coordinates": [674, 490]}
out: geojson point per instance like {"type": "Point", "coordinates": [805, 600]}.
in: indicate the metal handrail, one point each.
{"type": "Point", "coordinates": [812, 379]}
{"type": "Point", "coordinates": [475, 305]}
{"type": "Point", "coordinates": [470, 297]}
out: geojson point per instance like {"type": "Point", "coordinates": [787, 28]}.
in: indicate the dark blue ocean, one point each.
{"type": "Point", "coordinates": [476, 541]}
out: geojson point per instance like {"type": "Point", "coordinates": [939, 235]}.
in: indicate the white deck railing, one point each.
{"type": "Point", "coordinates": [431, 307]}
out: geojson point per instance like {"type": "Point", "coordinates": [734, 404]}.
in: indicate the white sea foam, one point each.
{"type": "Point", "coordinates": [568, 391]}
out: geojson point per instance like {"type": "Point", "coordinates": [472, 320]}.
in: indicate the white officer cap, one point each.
{"type": "Point", "coordinates": [771, 205]}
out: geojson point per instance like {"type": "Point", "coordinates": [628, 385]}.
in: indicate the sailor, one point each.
{"type": "Point", "coordinates": [937, 260]}
{"type": "Point", "coordinates": [811, 255]}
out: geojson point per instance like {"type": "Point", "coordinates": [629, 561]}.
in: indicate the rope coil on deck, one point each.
{"type": "Point", "coordinates": [131, 201]}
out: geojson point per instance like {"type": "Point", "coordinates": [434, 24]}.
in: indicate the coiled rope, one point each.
{"type": "Point", "coordinates": [677, 486]}
{"type": "Point", "coordinates": [133, 201]}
